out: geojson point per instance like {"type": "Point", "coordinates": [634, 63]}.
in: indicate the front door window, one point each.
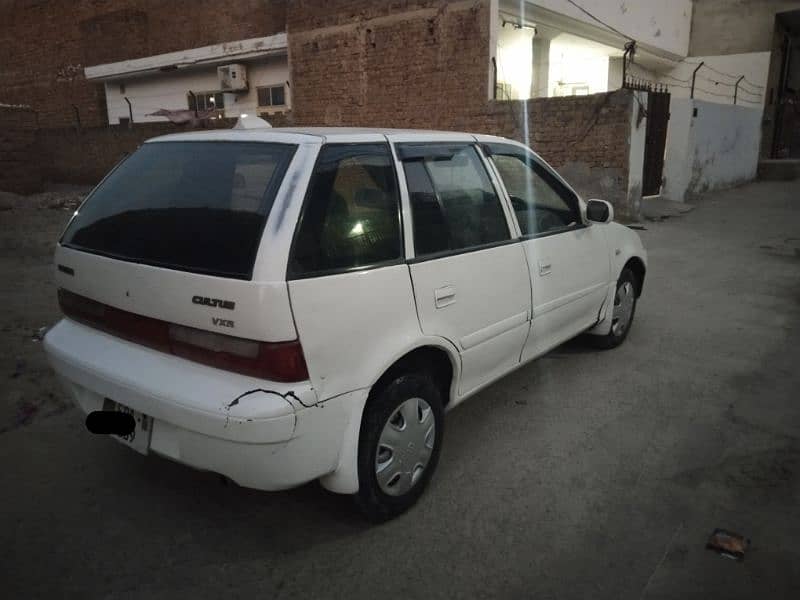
{"type": "Point", "coordinates": [541, 203]}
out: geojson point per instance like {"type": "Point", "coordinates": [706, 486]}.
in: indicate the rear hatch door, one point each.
{"type": "Point", "coordinates": [173, 234]}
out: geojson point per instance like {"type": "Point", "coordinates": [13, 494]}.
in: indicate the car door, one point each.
{"type": "Point", "coordinates": [469, 273]}
{"type": "Point", "coordinates": [567, 255]}
{"type": "Point", "coordinates": [350, 291]}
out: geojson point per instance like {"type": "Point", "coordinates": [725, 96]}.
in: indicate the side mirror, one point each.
{"type": "Point", "coordinates": [599, 211]}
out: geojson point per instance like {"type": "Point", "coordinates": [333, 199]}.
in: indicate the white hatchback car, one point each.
{"type": "Point", "coordinates": [284, 305]}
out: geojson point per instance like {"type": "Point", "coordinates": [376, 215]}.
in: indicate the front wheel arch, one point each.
{"type": "Point", "coordinates": [636, 266]}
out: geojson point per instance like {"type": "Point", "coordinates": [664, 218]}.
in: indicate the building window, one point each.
{"type": "Point", "coordinates": [206, 101]}
{"type": "Point", "coordinates": [273, 95]}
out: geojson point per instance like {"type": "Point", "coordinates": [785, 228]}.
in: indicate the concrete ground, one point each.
{"type": "Point", "coordinates": [583, 475]}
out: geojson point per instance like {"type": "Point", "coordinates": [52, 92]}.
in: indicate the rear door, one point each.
{"type": "Point", "coordinates": [568, 257]}
{"type": "Point", "coordinates": [348, 281]}
{"type": "Point", "coordinates": [469, 273]}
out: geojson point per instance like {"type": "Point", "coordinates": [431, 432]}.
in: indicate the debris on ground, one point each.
{"type": "Point", "coordinates": [728, 544]}
{"type": "Point", "coordinates": [25, 413]}
{"type": "Point", "coordinates": [789, 247]}
{"type": "Point", "coordinates": [19, 369]}
{"type": "Point", "coordinates": [655, 208]}
{"type": "Point", "coordinates": [38, 336]}
{"type": "Point", "coordinates": [57, 197]}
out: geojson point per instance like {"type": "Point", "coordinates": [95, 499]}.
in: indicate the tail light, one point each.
{"type": "Point", "coordinates": [276, 361]}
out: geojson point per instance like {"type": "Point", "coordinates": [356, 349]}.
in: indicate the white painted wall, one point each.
{"type": "Point", "coordinates": [169, 90]}
{"type": "Point", "coordinates": [677, 161]}
{"type": "Point", "coordinates": [714, 150]}
{"type": "Point", "coordinates": [713, 86]}
{"type": "Point", "coordinates": [514, 60]}
{"type": "Point", "coordinates": [636, 143]}
{"type": "Point", "coordinates": [664, 24]}
{"type": "Point", "coordinates": [576, 65]}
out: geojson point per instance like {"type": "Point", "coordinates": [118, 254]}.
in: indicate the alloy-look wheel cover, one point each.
{"type": "Point", "coordinates": [405, 447]}
{"type": "Point", "coordinates": [623, 308]}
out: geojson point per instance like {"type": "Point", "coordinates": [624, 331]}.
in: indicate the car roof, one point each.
{"type": "Point", "coordinates": [324, 134]}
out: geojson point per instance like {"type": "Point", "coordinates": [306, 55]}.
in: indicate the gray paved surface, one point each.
{"type": "Point", "coordinates": [583, 475]}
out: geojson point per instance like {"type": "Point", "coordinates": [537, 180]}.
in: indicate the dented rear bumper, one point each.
{"type": "Point", "coordinates": [260, 434]}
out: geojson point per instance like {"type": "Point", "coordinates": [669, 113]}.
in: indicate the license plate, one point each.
{"type": "Point", "coordinates": [139, 438]}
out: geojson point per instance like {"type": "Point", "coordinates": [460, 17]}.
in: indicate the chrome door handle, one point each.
{"type": "Point", "coordinates": [544, 268]}
{"type": "Point", "coordinates": [444, 296]}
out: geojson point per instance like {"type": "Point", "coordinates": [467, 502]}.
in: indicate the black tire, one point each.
{"type": "Point", "coordinates": [617, 335]}
{"type": "Point", "coordinates": [376, 505]}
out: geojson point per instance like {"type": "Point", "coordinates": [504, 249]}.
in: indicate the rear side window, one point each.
{"type": "Point", "coordinates": [189, 206]}
{"type": "Point", "coordinates": [351, 214]}
{"type": "Point", "coordinates": [453, 203]}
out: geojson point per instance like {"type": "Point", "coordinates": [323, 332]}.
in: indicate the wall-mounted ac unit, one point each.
{"type": "Point", "coordinates": [232, 78]}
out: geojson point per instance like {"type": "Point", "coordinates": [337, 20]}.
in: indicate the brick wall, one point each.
{"type": "Point", "coordinates": [19, 164]}
{"type": "Point", "coordinates": [44, 46]}
{"type": "Point", "coordinates": [85, 156]}
{"type": "Point", "coordinates": [68, 155]}
{"type": "Point", "coordinates": [585, 137]}
{"type": "Point", "coordinates": [425, 64]}
{"type": "Point", "coordinates": [402, 64]}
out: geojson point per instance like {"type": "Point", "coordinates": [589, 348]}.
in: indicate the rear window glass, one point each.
{"type": "Point", "coordinates": [190, 206]}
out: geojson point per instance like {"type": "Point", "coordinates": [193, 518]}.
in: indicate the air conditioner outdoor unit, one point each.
{"type": "Point", "coordinates": [232, 78]}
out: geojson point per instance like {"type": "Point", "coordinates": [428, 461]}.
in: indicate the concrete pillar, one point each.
{"type": "Point", "coordinates": [540, 67]}
{"type": "Point", "coordinates": [614, 72]}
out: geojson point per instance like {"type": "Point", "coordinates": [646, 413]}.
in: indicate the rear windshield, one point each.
{"type": "Point", "coordinates": [190, 206]}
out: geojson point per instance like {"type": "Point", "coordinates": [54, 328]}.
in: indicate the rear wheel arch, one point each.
{"type": "Point", "coordinates": [439, 360]}
{"type": "Point", "coordinates": [435, 360]}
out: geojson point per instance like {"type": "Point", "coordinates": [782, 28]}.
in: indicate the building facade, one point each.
{"type": "Point", "coordinates": [223, 80]}
{"type": "Point", "coordinates": [102, 76]}
{"type": "Point", "coordinates": [45, 47]}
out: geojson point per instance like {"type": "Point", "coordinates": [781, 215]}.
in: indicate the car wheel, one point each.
{"type": "Point", "coordinates": [622, 314]}
{"type": "Point", "coordinates": [401, 436]}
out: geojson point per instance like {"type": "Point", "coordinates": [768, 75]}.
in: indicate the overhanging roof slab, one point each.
{"type": "Point", "coordinates": [273, 45]}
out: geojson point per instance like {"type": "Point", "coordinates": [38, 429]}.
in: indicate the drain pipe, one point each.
{"type": "Point", "coordinates": [630, 49]}
{"type": "Point", "coordinates": [694, 74]}
{"type": "Point", "coordinates": [130, 113]}
{"type": "Point", "coordinates": [194, 101]}
{"type": "Point", "coordinates": [77, 117]}
{"type": "Point", "coordinates": [736, 88]}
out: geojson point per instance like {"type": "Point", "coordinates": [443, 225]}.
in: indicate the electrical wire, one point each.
{"type": "Point", "coordinates": [710, 93]}
{"type": "Point", "coordinates": [715, 82]}
{"type": "Point", "coordinates": [674, 78]}
{"type": "Point", "coordinates": [702, 78]}
{"type": "Point", "coordinates": [603, 23]}
{"type": "Point", "coordinates": [688, 62]}
{"type": "Point", "coordinates": [722, 83]}
{"type": "Point", "coordinates": [733, 85]}
{"type": "Point", "coordinates": [718, 72]}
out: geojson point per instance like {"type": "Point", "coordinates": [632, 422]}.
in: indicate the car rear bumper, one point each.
{"type": "Point", "coordinates": [260, 434]}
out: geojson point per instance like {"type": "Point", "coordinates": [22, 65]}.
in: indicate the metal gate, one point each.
{"type": "Point", "coordinates": [655, 142]}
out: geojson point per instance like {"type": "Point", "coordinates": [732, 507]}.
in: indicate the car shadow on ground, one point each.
{"type": "Point", "coordinates": [578, 345]}
{"type": "Point", "coordinates": [245, 523]}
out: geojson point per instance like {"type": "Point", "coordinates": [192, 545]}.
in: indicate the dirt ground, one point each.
{"type": "Point", "coordinates": [29, 228]}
